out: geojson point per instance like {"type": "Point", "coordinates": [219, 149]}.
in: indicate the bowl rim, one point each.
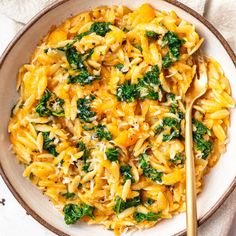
{"type": "Point", "coordinates": [37, 17]}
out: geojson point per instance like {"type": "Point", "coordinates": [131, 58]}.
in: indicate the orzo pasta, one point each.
{"type": "Point", "coordinates": [99, 124]}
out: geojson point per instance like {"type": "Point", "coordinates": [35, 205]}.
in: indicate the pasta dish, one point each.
{"type": "Point", "coordinates": [99, 124]}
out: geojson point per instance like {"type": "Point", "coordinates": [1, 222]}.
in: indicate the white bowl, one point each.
{"type": "Point", "coordinates": [218, 184]}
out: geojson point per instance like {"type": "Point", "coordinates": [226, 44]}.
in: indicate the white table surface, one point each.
{"type": "Point", "coordinates": [14, 221]}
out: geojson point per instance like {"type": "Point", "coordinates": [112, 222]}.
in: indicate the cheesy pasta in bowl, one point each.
{"type": "Point", "coordinates": [99, 122]}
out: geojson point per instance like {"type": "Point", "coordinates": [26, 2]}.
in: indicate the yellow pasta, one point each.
{"type": "Point", "coordinates": [99, 124]}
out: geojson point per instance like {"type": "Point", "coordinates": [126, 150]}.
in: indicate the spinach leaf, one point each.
{"type": "Point", "coordinates": [150, 201]}
{"type": "Point", "coordinates": [167, 61]}
{"type": "Point", "coordinates": [175, 130]}
{"type": "Point", "coordinates": [127, 92]}
{"type": "Point", "coordinates": [152, 76]}
{"type": "Point", "coordinates": [50, 105]}
{"type": "Point", "coordinates": [100, 28]}
{"type": "Point", "coordinates": [148, 86]}
{"type": "Point", "coordinates": [148, 170]}
{"type": "Point", "coordinates": [102, 132]}
{"type": "Point", "coordinates": [82, 148]}
{"type": "Point", "coordinates": [125, 170]}
{"type": "Point", "coordinates": [85, 156]}
{"type": "Point", "coordinates": [84, 110]}
{"type": "Point", "coordinates": [171, 39]}
{"type": "Point", "coordinates": [150, 216]}
{"type": "Point", "coordinates": [112, 154]}
{"type": "Point", "coordinates": [174, 108]}
{"type": "Point", "coordinates": [178, 159]}
{"type": "Point", "coordinates": [201, 144]}
{"type": "Point", "coordinates": [76, 60]}
{"type": "Point", "coordinates": [84, 78]}
{"type": "Point", "coordinates": [121, 205]}
{"type": "Point", "coordinates": [201, 129]}
{"type": "Point", "coordinates": [174, 42]}
{"type": "Point", "coordinates": [171, 122]}
{"type": "Point", "coordinates": [86, 166]}
{"type": "Point", "coordinates": [173, 135]}
{"type": "Point", "coordinates": [139, 47]}
{"type": "Point", "coordinates": [152, 35]}
{"type": "Point", "coordinates": [48, 144]}
{"type": "Point", "coordinates": [87, 127]}
{"type": "Point", "coordinates": [68, 195]}
{"type": "Point", "coordinates": [74, 212]}
{"type": "Point", "coordinates": [119, 66]}
{"type": "Point", "coordinates": [81, 35]}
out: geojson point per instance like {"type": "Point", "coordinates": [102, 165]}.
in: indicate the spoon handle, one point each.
{"type": "Point", "coordinates": [190, 176]}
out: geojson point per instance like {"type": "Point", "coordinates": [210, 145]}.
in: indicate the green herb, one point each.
{"type": "Point", "coordinates": [81, 35]}
{"type": "Point", "coordinates": [125, 170]}
{"type": "Point", "coordinates": [84, 78]}
{"type": "Point", "coordinates": [87, 128]}
{"type": "Point", "coordinates": [170, 96]}
{"type": "Point", "coordinates": [102, 132]}
{"type": "Point", "coordinates": [80, 186]}
{"type": "Point", "coordinates": [203, 145]}
{"type": "Point", "coordinates": [77, 60]}
{"type": "Point", "coordinates": [148, 86]}
{"type": "Point", "coordinates": [173, 135]}
{"type": "Point", "coordinates": [152, 76]}
{"type": "Point", "coordinates": [174, 108]}
{"type": "Point", "coordinates": [84, 110]}
{"type": "Point", "coordinates": [73, 58]}
{"type": "Point", "coordinates": [175, 129]}
{"type": "Point", "coordinates": [171, 122]}
{"type": "Point", "coordinates": [167, 121]}
{"type": "Point", "coordinates": [121, 205]}
{"type": "Point", "coordinates": [127, 92]}
{"type": "Point", "coordinates": [50, 105]}
{"type": "Point", "coordinates": [150, 201]}
{"type": "Point", "coordinates": [148, 170]}
{"type": "Point", "coordinates": [151, 35]}
{"type": "Point", "coordinates": [150, 216]}
{"type": "Point", "coordinates": [68, 195]}
{"type": "Point", "coordinates": [100, 28]}
{"type": "Point", "coordinates": [139, 48]}
{"type": "Point", "coordinates": [112, 154]}
{"type": "Point", "coordinates": [85, 155]}
{"type": "Point", "coordinates": [86, 166]}
{"type": "Point", "coordinates": [167, 61]}
{"type": "Point", "coordinates": [74, 212]}
{"type": "Point", "coordinates": [171, 39]}
{"type": "Point", "coordinates": [201, 129]}
{"type": "Point", "coordinates": [174, 42]}
{"type": "Point", "coordinates": [48, 144]}
{"type": "Point", "coordinates": [178, 159]}
{"type": "Point", "coordinates": [66, 47]}
{"type": "Point", "coordinates": [83, 148]}
{"type": "Point", "coordinates": [119, 66]}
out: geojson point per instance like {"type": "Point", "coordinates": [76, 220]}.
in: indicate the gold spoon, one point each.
{"type": "Point", "coordinates": [197, 89]}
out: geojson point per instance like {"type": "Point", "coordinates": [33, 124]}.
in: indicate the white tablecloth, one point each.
{"type": "Point", "coordinates": [14, 14]}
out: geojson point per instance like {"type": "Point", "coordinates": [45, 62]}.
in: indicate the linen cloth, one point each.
{"type": "Point", "coordinates": [14, 14]}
